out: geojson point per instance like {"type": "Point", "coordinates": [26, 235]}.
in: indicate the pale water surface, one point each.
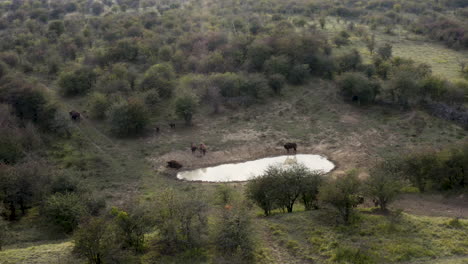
{"type": "Point", "coordinates": [245, 170]}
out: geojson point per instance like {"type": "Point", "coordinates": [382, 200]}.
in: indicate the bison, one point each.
{"type": "Point", "coordinates": [172, 125]}
{"type": "Point", "coordinates": [193, 147]}
{"type": "Point", "coordinates": [202, 148]}
{"type": "Point", "coordinates": [289, 146]}
{"type": "Point", "coordinates": [74, 115]}
{"type": "Point", "coordinates": [174, 164]}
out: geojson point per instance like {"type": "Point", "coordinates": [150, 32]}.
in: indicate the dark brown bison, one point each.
{"type": "Point", "coordinates": [202, 148]}
{"type": "Point", "coordinates": [172, 125]}
{"type": "Point", "coordinates": [289, 146]}
{"type": "Point", "coordinates": [157, 129]}
{"type": "Point", "coordinates": [174, 164]}
{"type": "Point", "coordinates": [193, 147]}
{"type": "Point", "coordinates": [74, 115]}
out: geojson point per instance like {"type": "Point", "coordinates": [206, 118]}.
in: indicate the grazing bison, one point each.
{"type": "Point", "coordinates": [289, 146]}
{"type": "Point", "coordinates": [174, 164]}
{"type": "Point", "coordinates": [172, 125]}
{"type": "Point", "coordinates": [193, 147]}
{"type": "Point", "coordinates": [74, 115]}
{"type": "Point", "coordinates": [202, 148]}
{"type": "Point", "coordinates": [157, 129]}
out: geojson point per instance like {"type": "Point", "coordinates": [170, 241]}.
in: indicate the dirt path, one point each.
{"type": "Point", "coordinates": [433, 205]}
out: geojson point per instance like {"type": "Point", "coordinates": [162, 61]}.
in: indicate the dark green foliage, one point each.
{"type": "Point", "coordinates": [349, 62]}
{"type": "Point", "coordinates": [352, 255]}
{"type": "Point", "coordinates": [56, 27]}
{"type": "Point", "coordinates": [282, 187]}
{"type": "Point", "coordinates": [77, 82]}
{"type": "Point", "coordinates": [357, 87]}
{"type": "Point", "coordinates": [234, 234]}
{"type": "Point", "coordinates": [181, 220]}
{"type": "Point", "coordinates": [128, 118]}
{"type": "Point", "coordinates": [159, 77]}
{"type": "Point", "coordinates": [185, 107]}
{"type": "Point", "coordinates": [65, 210]}
{"type": "Point", "coordinates": [343, 194]}
{"type": "Point", "coordinates": [22, 186]}
{"type": "Point", "coordinates": [444, 170]}
{"type": "Point", "coordinates": [299, 74]}
{"type": "Point", "coordinates": [276, 82]}
{"type": "Point", "coordinates": [385, 52]}
{"type": "Point", "coordinates": [94, 240]}
{"type": "Point", "coordinates": [384, 183]}
{"type": "Point", "coordinates": [278, 65]}
{"type": "Point", "coordinates": [98, 105]}
{"type": "Point", "coordinates": [131, 228]}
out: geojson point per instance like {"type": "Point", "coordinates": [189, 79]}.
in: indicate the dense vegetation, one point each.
{"type": "Point", "coordinates": [132, 65]}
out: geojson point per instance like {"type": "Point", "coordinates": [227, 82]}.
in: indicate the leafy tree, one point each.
{"type": "Point", "coordinates": [233, 235]}
{"type": "Point", "coordinates": [56, 27]}
{"type": "Point", "coordinates": [65, 210]}
{"type": "Point", "coordinates": [357, 86]}
{"type": "Point", "coordinates": [384, 183]}
{"type": "Point", "coordinates": [385, 52]}
{"type": "Point", "coordinates": [93, 239]}
{"type": "Point", "coordinates": [186, 106]}
{"type": "Point", "coordinates": [343, 194]}
{"type": "Point", "coordinates": [181, 220]}
{"type": "Point", "coordinates": [276, 82]}
{"type": "Point", "coordinates": [98, 105]}
{"type": "Point", "coordinates": [260, 190]}
{"type": "Point", "coordinates": [128, 118]}
{"type": "Point", "coordinates": [310, 185]}
{"type": "Point", "coordinates": [370, 43]}
{"type": "Point", "coordinates": [77, 82]}
{"type": "Point", "coordinates": [349, 62]}
{"type": "Point", "coordinates": [278, 65]}
{"type": "Point", "coordinates": [131, 228]}
{"type": "Point", "coordinates": [161, 78]}
{"type": "Point", "coordinates": [299, 74]}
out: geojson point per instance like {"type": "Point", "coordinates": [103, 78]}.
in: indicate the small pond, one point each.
{"type": "Point", "coordinates": [245, 170]}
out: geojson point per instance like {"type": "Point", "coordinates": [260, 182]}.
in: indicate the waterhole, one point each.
{"type": "Point", "coordinates": [244, 171]}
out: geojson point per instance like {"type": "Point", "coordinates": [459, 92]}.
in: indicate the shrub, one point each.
{"type": "Point", "coordinates": [343, 194]}
{"type": "Point", "coordinates": [357, 87]}
{"type": "Point", "coordinates": [349, 62]}
{"type": "Point", "coordinates": [77, 82]}
{"type": "Point", "coordinates": [385, 52]}
{"type": "Point", "coordinates": [233, 235]}
{"type": "Point", "coordinates": [181, 220]}
{"type": "Point", "coordinates": [276, 83]}
{"type": "Point", "coordinates": [98, 105]}
{"type": "Point", "coordinates": [93, 239]}
{"type": "Point", "coordinates": [384, 183]}
{"type": "Point", "coordinates": [128, 118]}
{"type": "Point", "coordinates": [299, 74]}
{"type": "Point", "coordinates": [65, 210]}
{"type": "Point", "coordinates": [131, 228]}
{"type": "Point", "coordinates": [161, 78]}
{"type": "Point", "coordinates": [186, 106]}
{"type": "Point", "coordinates": [277, 65]}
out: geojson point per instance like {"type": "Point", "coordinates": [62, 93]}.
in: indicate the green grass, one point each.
{"type": "Point", "coordinates": [50, 253]}
{"type": "Point", "coordinates": [372, 238]}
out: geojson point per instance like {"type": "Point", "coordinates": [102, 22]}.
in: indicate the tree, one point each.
{"type": "Point", "coordinates": [384, 183]}
{"type": "Point", "coordinates": [65, 210]}
{"type": "Point", "coordinates": [349, 61]}
{"type": "Point", "coordinates": [288, 186]}
{"type": "Point", "coordinates": [260, 191]}
{"type": "Point", "coordinates": [186, 106]}
{"type": "Point", "coordinates": [131, 228]}
{"type": "Point", "coordinates": [385, 52]}
{"type": "Point", "coordinates": [94, 240]}
{"type": "Point", "coordinates": [310, 188]}
{"type": "Point", "coordinates": [98, 105]}
{"type": "Point", "coordinates": [277, 65]}
{"type": "Point", "coordinates": [233, 235]}
{"type": "Point", "coordinates": [276, 82]}
{"type": "Point", "coordinates": [181, 220]}
{"type": "Point", "coordinates": [161, 78]}
{"type": "Point", "coordinates": [343, 194]}
{"type": "Point", "coordinates": [77, 82]}
{"type": "Point", "coordinates": [322, 21]}
{"type": "Point", "coordinates": [128, 118]}
{"type": "Point", "coordinates": [299, 74]}
{"type": "Point", "coordinates": [370, 43]}
{"type": "Point", "coordinates": [357, 87]}
{"type": "Point", "coordinates": [3, 232]}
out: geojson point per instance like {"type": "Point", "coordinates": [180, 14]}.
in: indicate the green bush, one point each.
{"type": "Point", "coordinates": [357, 87]}
{"type": "Point", "coordinates": [98, 105]}
{"type": "Point", "coordinates": [161, 78]}
{"type": "Point", "coordinates": [128, 118]}
{"type": "Point", "coordinates": [65, 210]}
{"type": "Point", "coordinates": [77, 82]}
